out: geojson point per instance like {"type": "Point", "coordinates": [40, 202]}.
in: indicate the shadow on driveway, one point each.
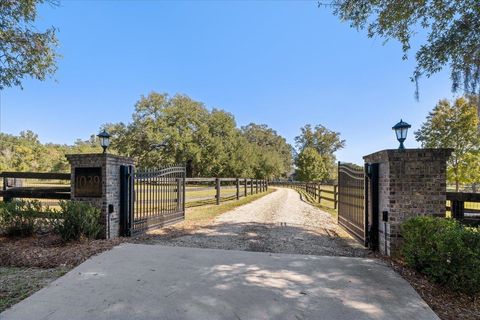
{"type": "Point", "coordinates": [259, 237]}
{"type": "Point", "coordinates": [156, 282]}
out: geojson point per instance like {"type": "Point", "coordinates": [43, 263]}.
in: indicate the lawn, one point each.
{"type": "Point", "coordinates": [324, 205]}
{"type": "Point", "coordinates": [17, 283]}
{"type": "Point", "coordinates": [207, 212]}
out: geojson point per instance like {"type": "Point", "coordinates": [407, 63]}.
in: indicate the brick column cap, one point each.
{"type": "Point", "coordinates": [388, 154]}
{"type": "Point", "coordinates": [76, 156]}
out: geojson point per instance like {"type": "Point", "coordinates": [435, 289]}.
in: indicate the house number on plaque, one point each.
{"type": "Point", "coordinates": [88, 182]}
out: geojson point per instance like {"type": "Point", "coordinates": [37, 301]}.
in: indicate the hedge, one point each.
{"type": "Point", "coordinates": [444, 250]}
{"type": "Point", "coordinates": [74, 220]}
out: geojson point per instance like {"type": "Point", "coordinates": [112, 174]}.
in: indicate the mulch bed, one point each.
{"type": "Point", "coordinates": [448, 305]}
{"type": "Point", "coordinates": [48, 251]}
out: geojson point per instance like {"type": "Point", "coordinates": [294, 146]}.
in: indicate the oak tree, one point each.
{"type": "Point", "coordinates": [451, 27]}
{"type": "Point", "coordinates": [24, 50]}
{"type": "Point", "coordinates": [455, 126]}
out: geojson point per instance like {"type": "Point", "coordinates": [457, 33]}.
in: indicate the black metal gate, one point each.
{"type": "Point", "coordinates": [151, 198]}
{"type": "Point", "coordinates": [352, 200]}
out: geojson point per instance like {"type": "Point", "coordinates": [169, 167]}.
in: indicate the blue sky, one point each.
{"type": "Point", "coordinates": [281, 63]}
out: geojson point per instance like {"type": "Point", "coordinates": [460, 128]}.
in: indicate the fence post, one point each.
{"type": "Point", "coordinates": [256, 186]}
{"type": "Point", "coordinates": [251, 186]}
{"type": "Point", "coordinates": [457, 208]}
{"type": "Point", "coordinates": [5, 186]}
{"type": "Point", "coordinates": [320, 194]}
{"type": "Point", "coordinates": [126, 199]}
{"type": "Point", "coordinates": [238, 188]}
{"type": "Point", "coordinates": [217, 187]}
{"type": "Point", "coordinates": [266, 185]}
{"type": "Point", "coordinates": [335, 197]}
{"type": "Point", "coordinates": [179, 192]}
{"type": "Point", "coordinates": [246, 190]}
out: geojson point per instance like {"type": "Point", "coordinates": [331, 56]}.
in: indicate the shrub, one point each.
{"type": "Point", "coordinates": [444, 250]}
{"type": "Point", "coordinates": [18, 218]}
{"type": "Point", "coordinates": [78, 220]}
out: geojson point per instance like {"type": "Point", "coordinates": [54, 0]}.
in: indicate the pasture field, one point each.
{"type": "Point", "coordinates": [195, 195]}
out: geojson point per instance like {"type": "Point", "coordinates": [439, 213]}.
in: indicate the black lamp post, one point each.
{"type": "Point", "coordinates": [104, 140]}
{"type": "Point", "coordinates": [401, 130]}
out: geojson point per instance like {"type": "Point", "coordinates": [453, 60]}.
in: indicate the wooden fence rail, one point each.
{"type": "Point", "coordinates": [464, 207]}
{"type": "Point", "coordinates": [318, 191]}
{"type": "Point", "coordinates": [201, 191]}
{"type": "Point", "coordinates": [35, 185]}
{"type": "Point", "coordinates": [56, 186]}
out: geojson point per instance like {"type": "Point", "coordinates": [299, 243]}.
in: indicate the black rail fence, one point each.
{"type": "Point", "coordinates": [202, 191]}
{"type": "Point", "coordinates": [464, 207]}
{"type": "Point", "coordinates": [324, 194]}
{"type": "Point", "coordinates": [46, 187]}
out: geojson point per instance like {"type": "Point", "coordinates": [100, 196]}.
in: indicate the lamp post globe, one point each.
{"type": "Point", "coordinates": [104, 138]}
{"type": "Point", "coordinates": [401, 130]}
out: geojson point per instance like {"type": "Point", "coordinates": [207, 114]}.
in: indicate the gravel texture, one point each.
{"type": "Point", "coordinates": [279, 222]}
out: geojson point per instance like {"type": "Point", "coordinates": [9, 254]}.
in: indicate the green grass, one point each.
{"type": "Point", "coordinates": [208, 212]}
{"type": "Point", "coordinates": [17, 284]}
{"type": "Point", "coordinates": [191, 194]}
{"type": "Point", "coordinates": [325, 205]}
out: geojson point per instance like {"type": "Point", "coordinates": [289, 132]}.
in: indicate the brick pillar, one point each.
{"type": "Point", "coordinates": [412, 182]}
{"type": "Point", "coordinates": [96, 180]}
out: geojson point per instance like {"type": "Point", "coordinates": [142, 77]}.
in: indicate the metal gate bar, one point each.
{"type": "Point", "coordinates": [351, 200]}
{"type": "Point", "coordinates": [151, 198]}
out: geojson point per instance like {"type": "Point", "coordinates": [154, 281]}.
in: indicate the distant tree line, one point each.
{"type": "Point", "coordinates": [178, 130]}
{"type": "Point", "coordinates": [170, 130]}
{"type": "Point", "coordinates": [167, 130]}
{"type": "Point", "coordinates": [25, 152]}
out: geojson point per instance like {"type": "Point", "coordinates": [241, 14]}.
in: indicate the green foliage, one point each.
{"type": "Point", "coordinates": [24, 51]}
{"type": "Point", "coordinates": [311, 166]}
{"type": "Point", "coordinates": [272, 154]}
{"type": "Point", "coordinates": [26, 153]}
{"type": "Point", "coordinates": [325, 141]}
{"type": "Point", "coordinates": [19, 218]}
{"type": "Point", "coordinates": [77, 221]}
{"type": "Point", "coordinates": [455, 126]}
{"type": "Point", "coordinates": [452, 27]}
{"type": "Point", "coordinates": [74, 220]}
{"type": "Point", "coordinates": [444, 250]}
{"type": "Point", "coordinates": [316, 159]}
{"type": "Point", "coordinates": [168, 130]}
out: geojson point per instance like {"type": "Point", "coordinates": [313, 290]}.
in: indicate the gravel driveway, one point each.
{"type": "Point", "coordinates": [280, 222]}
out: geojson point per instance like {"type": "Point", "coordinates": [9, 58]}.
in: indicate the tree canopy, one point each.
{"type": "Point", "coordinates": [455, 126]}
{"type": "Point", "coordinates": [26, 153]}
{"type": "Point", "coordinates": [311, 166]}
{"type": "Point", "coordinates": [452, 33]}
{"type": "Point", "coordinates": [316, 153]}
{"type": "Point", "coordinates": [24, 51]}
{"type": "Point", "coordinates": [167, 130]}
